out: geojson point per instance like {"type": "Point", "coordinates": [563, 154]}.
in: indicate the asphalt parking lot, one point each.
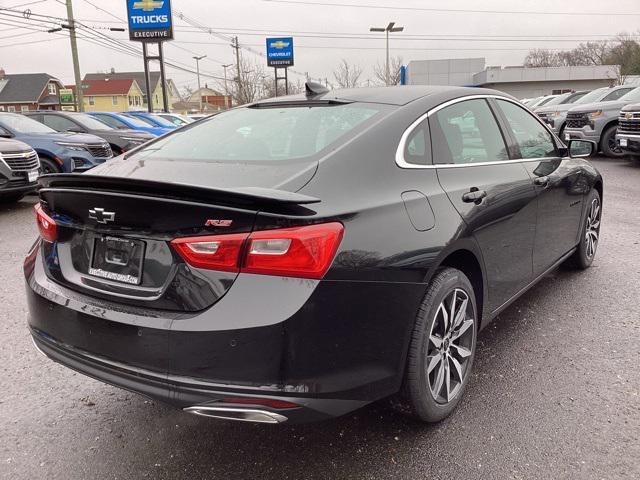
{"type": "Point", "coordinates": [555, 392]}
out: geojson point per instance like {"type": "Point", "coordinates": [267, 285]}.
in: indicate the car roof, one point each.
{"type": "Point", "coordinates": [396, 95]}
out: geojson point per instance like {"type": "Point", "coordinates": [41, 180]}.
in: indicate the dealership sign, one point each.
{"type": "Point", "coordinates": [280, 52]}
{"type": "Point", "coordinates": [66, 96]}
{"type": "Point", "coordinates": [149, 20]}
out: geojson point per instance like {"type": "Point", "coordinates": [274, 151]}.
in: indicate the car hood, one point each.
{"type": "Point", "coordinates": [590, 107]}
{"type": "Point", "coordinates": [290, 176]}
{"type": "Point", "coordinates": [62, 137]}
{"type": "Point", "coordinates": [10, 145]}
{"type": "Point", "coordinates": [631, 107]}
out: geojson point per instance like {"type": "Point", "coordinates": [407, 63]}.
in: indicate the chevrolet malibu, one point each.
{"type": "Point", "coordinates": [300, 257]}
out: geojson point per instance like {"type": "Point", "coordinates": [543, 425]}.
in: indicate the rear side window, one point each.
{"type": "Point", "coordinates": [532, 138]}
{"type": "Point", "coordinates": [466, 132]}
{"type": "Point", "coordinates": [266, 133]}
{"type": "Point", "coordinates": [417, 149]}
{"type": "Point", "coordinates": [58, 123]}
{"type": "Point", "coordinates": [111, 121]}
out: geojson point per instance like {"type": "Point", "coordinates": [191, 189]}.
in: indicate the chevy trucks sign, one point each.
{"type": "Point", "coordinates": [149, 20]}
{"type": "Point", "coordinates": [280, 52]}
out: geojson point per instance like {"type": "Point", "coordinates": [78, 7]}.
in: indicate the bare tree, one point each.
{"type": "Point", "coordinates": [249, 87]}
{"type": "Point", "coordinates": [380, 71]}
{"type": "Point", "coordinates": [187, 91]}
{"type": "Point", "coordinates": [541, 57]}
{"type": "Point", "coordinates": [347, 75]}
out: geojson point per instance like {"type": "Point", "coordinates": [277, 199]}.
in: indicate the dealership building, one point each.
{"type": "Point", "coordinates": [521, 82]}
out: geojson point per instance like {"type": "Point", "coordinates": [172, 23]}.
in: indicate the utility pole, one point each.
{"type": "Point", "coordinates": [388, 29]}
{"type": "Point", "coordinates": [74, 56]}
{"type": "Point", "coordinates": [236, 46]}
{"type": "Point", "coordinates": [197, 59]}
{"type": "Point", "coordinates": [226, 89]}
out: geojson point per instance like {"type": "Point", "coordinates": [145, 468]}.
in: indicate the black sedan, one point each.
{"type": "Point", "coordinates": [300, 257]}
{"type": "Point", "coordinates": [119, 140]}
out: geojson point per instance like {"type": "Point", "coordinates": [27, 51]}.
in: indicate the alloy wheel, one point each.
{"type": "Point", "coordinates": [450, 346]}
{"type": "Point", "coordinates": [592, 228]}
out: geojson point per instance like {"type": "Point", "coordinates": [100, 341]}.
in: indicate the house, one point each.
{"type": "Point", "coordinates": [29, 91]}
{"type": "Point", "coordinates": [155, 84]}
{"type": "Point", "coordinates": [210, 97]}
{"type": "Point", "coordinates": [111, 95]}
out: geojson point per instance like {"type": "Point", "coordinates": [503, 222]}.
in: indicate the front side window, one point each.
{"type": "Point", "coordinates": [466, 132]}
{"type": "Point", "coordinates": [532, 138]}
{"type": "Point", "coordinates": [264, 134]}
{"type": "Point", "coordinates": [616, 94]}
{"type": "Point", "coordinates": [112, 121]}
{"type": "Point", "coordinates": [58, 123]}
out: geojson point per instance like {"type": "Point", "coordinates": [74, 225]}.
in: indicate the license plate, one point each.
{"type": "Point", "coordinates": [32, 176]}
{"type": "Point", "coordinates": [117, 259]}
{"type": "Point", "coordinates": [623, 142]}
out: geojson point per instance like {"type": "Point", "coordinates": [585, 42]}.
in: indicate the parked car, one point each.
{"type": "Point", "coordinates": [119, 140]}
{"type": "Point", "coordinates": [562, 99]}
{"type": "Point", "coordinates": [152, 119]}
{"type": "Point", "coordinates": [542, 101]}
{"type": "Point", "coordinates": [297, 272]}
{"type": "Point", "coordinates": [19, 170]}
{"type": "Point", "coordinates": [628, 133]}
{"type": "Point", "coordinates": [177, 119]}
{"type": "Point", "coordinates": [58, 152]}
{"type": "Point", "coordinates": [121, 121]}
{"type": "Point", "coordinates": [556, 117]}
{"type": "Point", "coordinates": [598, 121]}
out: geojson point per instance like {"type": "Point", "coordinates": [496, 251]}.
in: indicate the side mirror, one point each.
{"type": "Point", "coordinates": [582, 148]}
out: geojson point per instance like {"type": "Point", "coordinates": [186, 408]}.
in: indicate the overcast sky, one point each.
{"type": "Point", "coordinates": [465, 32]}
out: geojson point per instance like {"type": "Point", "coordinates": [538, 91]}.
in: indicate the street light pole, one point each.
{"type": "Point", "coordinates": [388, 29]}
{"type": "Point", "coordinates": [226, 90]}
{"type": "Point", "coordinates": [197, 59]}
{"type": "Point", "coordinates": [74, 56]}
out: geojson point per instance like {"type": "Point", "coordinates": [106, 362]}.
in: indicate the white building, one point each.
{"type": "Point", "coordinates": [521, 82]}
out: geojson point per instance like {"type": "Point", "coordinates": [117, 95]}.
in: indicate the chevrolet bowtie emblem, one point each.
{"type": "Point", "coordinates": [100, 216]}
{"type": "Point", "coordinates": [148, 5]}
{"type": "Point", "coordinates": [279, 44]}
{"type": "Point", "coordinates": [628, 115]}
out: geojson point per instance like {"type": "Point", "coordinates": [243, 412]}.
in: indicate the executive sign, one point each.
{"type": "Point", "coordinates": [149, 20]}
{"type": "Point", "coordinates": [280, 52]}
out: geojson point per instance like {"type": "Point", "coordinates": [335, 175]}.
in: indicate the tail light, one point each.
{"type": "Point", "coordinates": [305, 252]}
{"type": "Point", "coordinates": [46, 225]}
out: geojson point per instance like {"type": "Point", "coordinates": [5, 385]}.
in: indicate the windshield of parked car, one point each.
{"type": "Point", "coordinates": [573, 98]}
{"type": "Point", "coordinates": [175, 120]}
{"type": "Point", "coordinates": [133, 121]}
{"type": "Point", "coordinates": [592, 96]}
{"type": "Point", "coordinates": [545, 101]}
{"type": "Point", "coordinates": [263, 134]}
{"type": "Point", "coordinates": [21, 124]}
{"type": "Point", "coordinates": [632, 96]}
{"type": "Point", "coordinates": [556, 100]}
{"type": "Point", "coordinates": [90, 123]}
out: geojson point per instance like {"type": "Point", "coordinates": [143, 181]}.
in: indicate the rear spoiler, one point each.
{"type": "Point", "coordinates": [251, 197]}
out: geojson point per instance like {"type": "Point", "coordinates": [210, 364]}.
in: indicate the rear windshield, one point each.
{"type": "Point", "coordinates": [263, 134]}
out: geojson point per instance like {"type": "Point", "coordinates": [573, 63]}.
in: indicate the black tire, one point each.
{"type": "Point", "coordinates": [49, 166]}
{"type": "Point", "coordinates": [417, 396]}
{"type": "Point", "coordinates": [588, 246]}
{"type": "Point", "coordinates": [16, 197]}
{"type": "Point", "coordinates": [608, 143]}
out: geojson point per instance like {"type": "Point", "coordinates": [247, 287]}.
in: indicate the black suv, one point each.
{"type": "Point", "coordinates": [120, 140]}
{"type": "Point", "coordinates": [19, 169]}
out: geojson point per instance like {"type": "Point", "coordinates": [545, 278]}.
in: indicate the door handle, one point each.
{"type": "Point", "coordinates": [474, 196]}
{"type": "Point", "coordinates": [541, 181]}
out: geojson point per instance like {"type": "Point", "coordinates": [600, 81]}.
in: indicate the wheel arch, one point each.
{"type": "Point", "coordinates": [467, 258]}
{"type": "Point", "coordinates": [610, 124]}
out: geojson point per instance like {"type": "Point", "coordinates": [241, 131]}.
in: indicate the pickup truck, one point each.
{"type": "Point", "coordinates": [598, 122]}
{"type": "Point", "coordinates": [628, 135]}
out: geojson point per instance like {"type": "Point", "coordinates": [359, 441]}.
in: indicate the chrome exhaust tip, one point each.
{"type": "Point", "coordinates": [237, 414]}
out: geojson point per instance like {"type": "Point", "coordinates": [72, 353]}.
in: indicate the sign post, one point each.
{"type": "Point", "coordinates": [150, 21]}
{"type": "Point", "coordinates": [280, 55]}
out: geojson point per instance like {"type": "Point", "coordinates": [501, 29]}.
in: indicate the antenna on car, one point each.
{"type": "Point", "coordinates": [311, 89]}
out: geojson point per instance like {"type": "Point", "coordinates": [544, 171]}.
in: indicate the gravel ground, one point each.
{"type": "Point", "coordinates": [555, 393]}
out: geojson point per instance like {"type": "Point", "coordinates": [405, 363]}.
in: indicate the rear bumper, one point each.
{"type": "Point", "coordinates": [328, 346]}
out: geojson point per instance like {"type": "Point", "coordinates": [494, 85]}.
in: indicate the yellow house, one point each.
{"type": "Point", "coordinates": [111, 95]}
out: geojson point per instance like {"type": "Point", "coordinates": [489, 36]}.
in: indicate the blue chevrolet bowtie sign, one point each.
{"type": "Point", "coordinates": [280, 52]}
{"type": "Point", "coordinates": [149, 20]}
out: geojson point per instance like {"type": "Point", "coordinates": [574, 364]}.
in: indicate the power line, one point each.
{"type": "Point", "coordinates": [28, 43]}
{"type": "Point", "coordinates": [454, 10]}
